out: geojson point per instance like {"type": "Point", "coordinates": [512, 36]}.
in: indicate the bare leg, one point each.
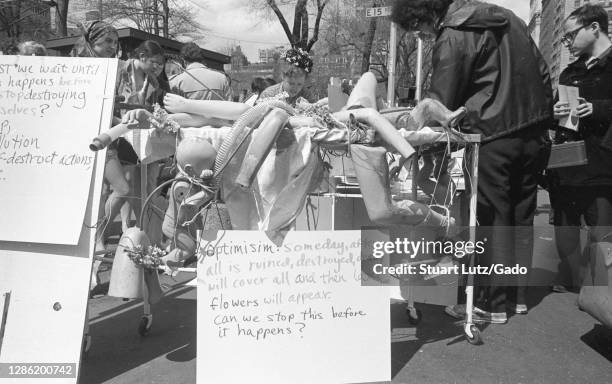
{"type": "Point", "coordinates": [431, 111]}
{"type": "Point", "coordinates": [121, 189]}
{"type": "Point", "coordinates": [209, 108]}
{"type": "Point", "coordinates": [372, 172]}
{"type": "Point", "coordinates": [126, 215]}
{"type": "Point", "coordinates": [364, 92]}
{"type": "Point", "coordinates": [113, 174]}
{"type": "Point", "coordinates": [383, 127]}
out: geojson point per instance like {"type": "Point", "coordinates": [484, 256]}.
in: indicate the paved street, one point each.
{"type": "Point", "coordinates": [554, 343]}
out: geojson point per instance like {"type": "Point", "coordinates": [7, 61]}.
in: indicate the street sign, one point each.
{"type": "Point", "coordinates": [377, 12]}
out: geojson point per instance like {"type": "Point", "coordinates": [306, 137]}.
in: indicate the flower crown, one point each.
{"type": "Point", "coordinates": [299, 58]}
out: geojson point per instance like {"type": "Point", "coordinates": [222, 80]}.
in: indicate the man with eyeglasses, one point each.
{"type": "Point", "coordinates": [484, 59]}
{"type": "Point", "coordinates": [585, 191]}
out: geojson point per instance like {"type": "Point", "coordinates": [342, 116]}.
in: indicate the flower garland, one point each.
{"type": "Point", "coordinates": [147, 258]}
{"type": "Point", "coordinates": [299, 58]}
{"type": "Point", "coordinates": [319, 111]}
{"type": "Point", "coordinates": [161, 121]}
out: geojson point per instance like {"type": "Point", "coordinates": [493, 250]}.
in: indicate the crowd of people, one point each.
{"type": "Point", "coordinates": [483, 59]}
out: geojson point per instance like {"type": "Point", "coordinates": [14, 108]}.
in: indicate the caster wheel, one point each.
{"type": "Point", "coordinates": [86, 345]}
{"type": "Point", "coordinates": [475, 338]}
{"type": "Point", "coordinates": [145, 325]}
{"type": "Point", "coordinates": [414, 315]}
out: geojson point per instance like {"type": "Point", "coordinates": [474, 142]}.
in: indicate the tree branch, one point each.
{"type": "Point", "coordinates": [281, 18]}
{"type": "Point", "coordinates": [304, 33]}
{"type": "Point", "coordinates": [298, 18]}
{"type": "Point", "coordinates": [315, 34]}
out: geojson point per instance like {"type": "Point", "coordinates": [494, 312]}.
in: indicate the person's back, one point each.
{"type": "Point", "coordinates": [484, 59]}
{"type": "Point", "coordinates": [501, 79]}
{"type": "Point", "coordinates": [199, 82]}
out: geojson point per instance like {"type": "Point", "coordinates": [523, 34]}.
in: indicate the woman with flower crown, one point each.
{"type": "Point", "coordinates": [295, 66]}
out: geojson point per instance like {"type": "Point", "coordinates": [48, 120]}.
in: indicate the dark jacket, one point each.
{"type": "Point", "coordinates": [595, 85]}
{"type": "Point", "coordinates": [484, 59]}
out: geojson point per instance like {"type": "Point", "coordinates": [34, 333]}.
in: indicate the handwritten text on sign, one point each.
{"type": "Point", "coordinates": [50, 109]}
{"type": "Point", "coordinates": [303, 298]}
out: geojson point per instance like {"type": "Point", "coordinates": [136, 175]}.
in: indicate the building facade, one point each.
{"type": "Point", "coordinates": [269, 55]}
{"type": "Point", "coordinates": [24, 20]}
{"type": "Point", "coordinates": [79, 11]}
{"type": "Point", "coordinates": [535, 19]}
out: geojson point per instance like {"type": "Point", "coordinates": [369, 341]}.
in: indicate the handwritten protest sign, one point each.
{"type": "Point", "coordinates": [50, 187]}
{"type": "Point", "coordinates": [50, 109]}
{"type": "Point", "coordinates": [293, 313]}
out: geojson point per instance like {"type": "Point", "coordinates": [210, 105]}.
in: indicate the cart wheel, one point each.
{"type": "Point", "coordinates": [414, 315]}
{"type": "Point", "coordinates": [145, 325]}
{"type": "Point", "coordinates": [86, 345]}
{"type": "Point", "coordinates": [475, 337]}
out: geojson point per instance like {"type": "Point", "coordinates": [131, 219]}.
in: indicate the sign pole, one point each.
{"type": "Point", "coordinates": [419, 71]}
{"type": "Point", "coordinates": [418, 96]}
{"type": "Point", "coordinates": [391, 66]}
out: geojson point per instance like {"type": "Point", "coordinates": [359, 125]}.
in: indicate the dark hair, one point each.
{"type": "Point", "coordinates": [590, 13]}
{"type": "Point", "coordinates": [149, 48]}
{"type": "Point", "coordinates": [269, 81]}
{"type": "Point", "coordinates": [91, 33]}
{"type": "Point", "coordinates": [164, 86]}
{"type": "Point", "coordinates": [258, 85]}
{"type": "Point", "coordinates": [408, 14]}
{"type": "Point", "coordinates": [192, 53]}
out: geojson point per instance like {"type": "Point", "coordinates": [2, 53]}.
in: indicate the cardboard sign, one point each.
{"type": "Point", "coordinates": [49, 289]}
{"type": "Point", "coordinates": [50, 109]}
{"type": "Point", "coordinates": [292, 313]}
{"type": "Point", "coordinates": [49, 210]}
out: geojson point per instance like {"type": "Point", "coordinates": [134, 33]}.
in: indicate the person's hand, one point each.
{"type": "Point", "coordinates": [561, 109]}
{"type": "Point", "coordinates": [584, 109]}
{"type": "Point", "coordinates": [174, 103]}
{"type": "Point", "coordinates": [137, 119]}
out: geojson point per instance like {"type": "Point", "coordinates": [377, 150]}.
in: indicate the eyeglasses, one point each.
{"type": "Point", "coordinates": [568, 38]}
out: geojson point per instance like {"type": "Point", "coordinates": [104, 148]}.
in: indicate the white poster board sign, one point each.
{"type": "Point", "coordinates": [44, 265]}
{"type": "Point", "coordinates": [50, 110]}
{"type": "Point", "coordinates": [294, 313]}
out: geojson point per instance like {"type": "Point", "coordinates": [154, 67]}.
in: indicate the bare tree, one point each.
{"type": "Point", "coordinates": [25, 18]}
{"type": "Point", "coordinates": [177, 17]}
{"type": "Point", "coordinates": [61, 17]}
{"type": "Point", "coordinates": [300, 35]}
{"type": "Point", "coordinates": [346, 30]}
{"type": "Point", "coordinates": [345, 26]}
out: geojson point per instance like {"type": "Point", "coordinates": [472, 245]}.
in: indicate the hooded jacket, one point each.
{"type": "Point", "coordinates": [484, 59]}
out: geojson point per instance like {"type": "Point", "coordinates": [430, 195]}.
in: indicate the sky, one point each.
{"type": "Point", "coordinates": [231, 22]}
